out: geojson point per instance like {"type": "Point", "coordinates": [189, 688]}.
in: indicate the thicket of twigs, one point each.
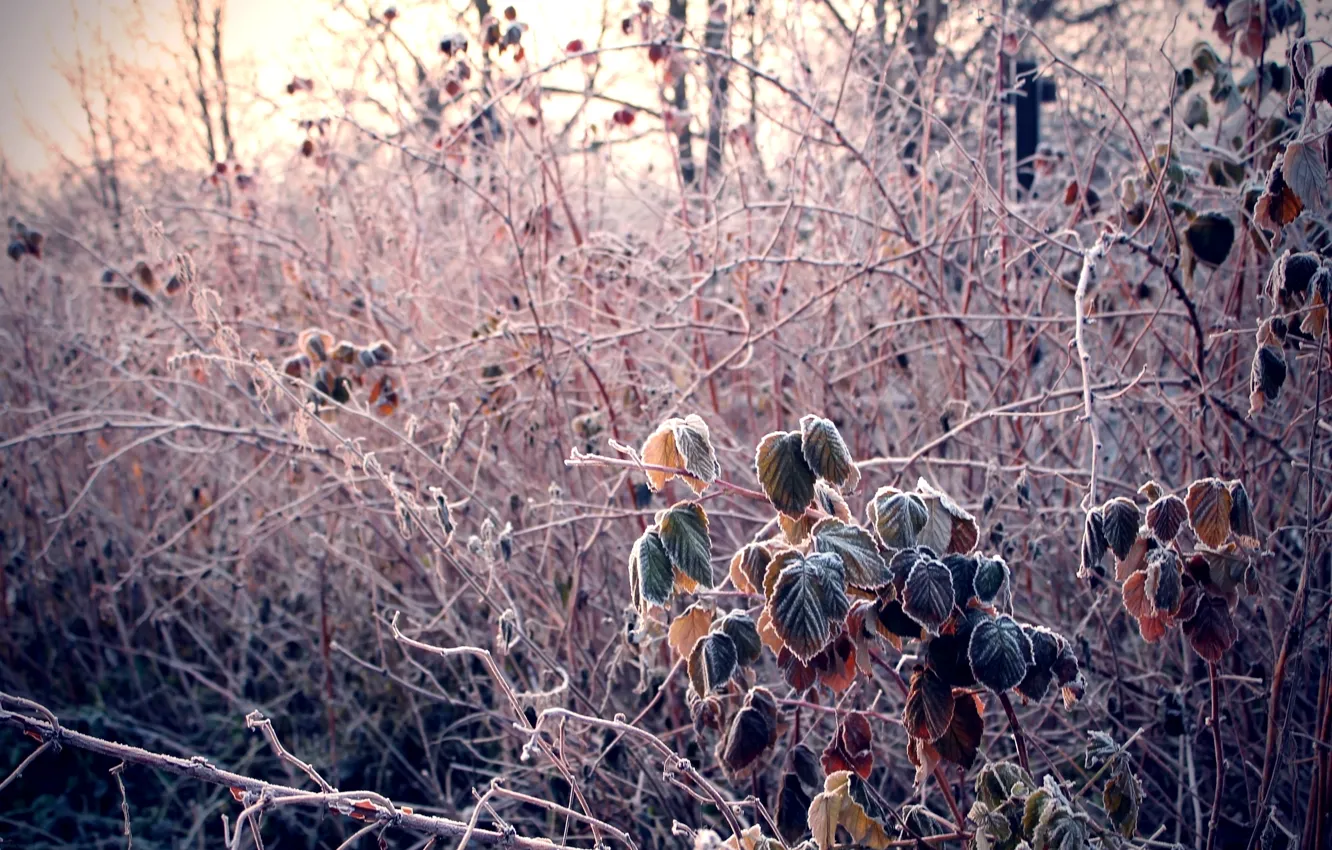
{"type": "Point", "coordinates": [770, 213]}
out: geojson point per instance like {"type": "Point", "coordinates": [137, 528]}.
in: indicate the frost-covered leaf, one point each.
{"type": "Point", "coordinates": [949, 529]}
{"type": "Point", "coordinates": [651, 576]}
{"type": "Point", "coordinates": [684, 534]}
{"type": "Point", "coordinates": [752, 733]}
{"type": "Point", "coordinates": [741, 628]}
{"type": "Point", "coordinates": [961, 742]}
{"type": "Point", "coordinates": [784, 474]}
{"type": "Point", "coordinates": [1122, 796]}
{"type": "Point", "coordinates": [1209, 504]}
{"type": "Point", "coordinates": [927, 596]}
{"type": "Point", "coordinates": [1120, 521]}
{"type": "Point", "coordinates": [1000, 653]}
{"type": "Point", "coordinates": [1040, 673]}
{"type": "Point", "coordinates": [991, 576]}
{"type": "Point", "coordinates": [711, 662]}
{"type": "Point", "coordinates": [826, 452]}
{"type": "Point", "coordinates": [865, 567]}
{"type": "Point", "coordinates": [1166, 516]}
{"type": "Point", "coordinates": [1094, 544]}
{"type": "Point", "coordinates": [807, 599]}
{"type": "Point", "coordinates": [897, 518]}
{"type": "Point", "coordinates": [1162, 583]}
{"type": "Point", "coordinates": [1241, 514]}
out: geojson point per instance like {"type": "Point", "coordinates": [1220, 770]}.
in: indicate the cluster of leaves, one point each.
{"type": "Point", "coordinates": [316, 350]}
{"type": "Point", "coordinates": [1298, 289]}
{"type": "Point", "coordinates": [1012, 810]}
{"type": "Point", "coordinates": [831, 588]}
{"type": "Point", "coordinates": [1163, 584]}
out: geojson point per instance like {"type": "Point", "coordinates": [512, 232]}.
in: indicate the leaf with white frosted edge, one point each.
{"type": "Point", "coordinates": [807, 598]}
{"type": "Point", "coordinates": [865, 567]}
{"type": "Point", "coordinates": [1209, 503]}
{"type": "Point", "coordinates": [684, 535]}
{"type": "Point", "coordinates": [1000, 653]}
{"type": "Point", "coordinates": [1120, 520]}
{"type": "Point", "coordinates": [651, 574]}
{"type": "Point", "coordinates": [897, 518]}
{"type": "Point", "coordinates": [927, 596]}
{"type": "Point", "coordinates": [785, 476]}
{"type": "Point", "coordinates": [741, 628]}
{"type": "Point", "coordinates": [826, 452]}
{"type": "Point", "coordinates": [949, 528]}
{"type": "Point", "coordinates": [693, 442]}
{"type": "Point", "coordinates": [711, 662]}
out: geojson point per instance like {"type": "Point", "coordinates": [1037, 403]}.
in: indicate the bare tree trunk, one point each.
{"type": "Point", "coordinates": [714, 39]}
{"type": "Point", "coordinates": [680, 101]}
{"type": "Point", "coordinates": [224, 112]}
{"type": "Point", "coordinates": [191, 23]}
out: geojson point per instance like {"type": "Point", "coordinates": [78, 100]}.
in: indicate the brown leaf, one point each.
{"type": "Point", "coordinates": [1166, 516]}
{"type": "Point", "coordinates": [1136, 600]}
{"type": "Point", "coordinates": [687, 628]}
{"type": "Point", "coordinates": [929, 706]}
{"type": "Point", "coordinates": [961, 742]}
{"type": "Point", "coordinates": [852, 746]}
{"type": "Point", "coordinates": [1209, 503]}
{"type": "Point", "coordinates": [1305, 172]}
{"type": "Point", "coordinates": [748, 566]}
{"type": "Point", "coordinates": [1211, 630]}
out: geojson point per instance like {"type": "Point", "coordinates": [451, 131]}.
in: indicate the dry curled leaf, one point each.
{"type": "Point", "coordinates": [686, 629]}
{"type": "Point", "coordinates": [1209, 503]}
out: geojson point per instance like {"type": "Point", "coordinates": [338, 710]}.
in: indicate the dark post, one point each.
{"type": "Point", "coordinates": [1032, 92]}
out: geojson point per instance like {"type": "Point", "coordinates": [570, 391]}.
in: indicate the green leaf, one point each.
{"type": "Point", "coordinates": [808, 596]}
{"type": "Point", "coordinates": [1122, 796]}
{"type": "Point", "coordinates": [684, 534]}
{"type": "Point", "coordinates": [991, 576]}
{"type": "Point", "coordinates": [741, 629]}
{"type": "Point", "coordinates": [927, 596]}
{"type": "Point", "coordinates": [1000, 653]}
{"type": "Point", "coordinates": [896, 517]}
{"type": "Point", "coordinates": [651, 576]}
{"type": "Point", "coordinates": [711, 663]}
{"type": "Point", "coordinates": [996, 781]}
{"type": "Point", "coordinates": [826, 453]}
{"type": "Point", "coordinates": [783, 473]}
{"type": "Point", "coordinates": [865, 567]}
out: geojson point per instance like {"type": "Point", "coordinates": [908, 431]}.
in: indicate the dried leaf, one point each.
{"type": "Point", "coordinates": [1305, 172]}
{"type": "Point", "coordinates": [852, 746]}
{"type": "Point", "coordinates": [688, 628]}
{"type": "Point", "coordinates": [929, 705]}
{"type": "Point", "coordinates": [961, 742]}
{"type": "Point", "coordinates": [1122, 797]}
{"type": "Point", "coordinates": [949, 529]}
{"type": "Point", "coordinates": [1209, 503]}
{"type": "Point", "coordinates": [1162, 583]}
{"type": "Point", "coordinates": [1268, 373]}
{"type": "Point", "coordinates": [1211, 630]}
{"type": "Point", "coordinates": [748, 566]}
{"type": "Point", "coordinates": [783, 473]}
{"type": "Point", "coordinates": [1166, 516]}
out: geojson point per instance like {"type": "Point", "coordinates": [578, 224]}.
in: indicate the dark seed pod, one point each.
{"type": "Point", "coordinates": [1269, 371]}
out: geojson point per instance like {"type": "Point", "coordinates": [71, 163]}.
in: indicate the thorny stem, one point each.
{"type": "Point", "coordinates": [578, 458]}
{"type": "Point", "coordinates": [1085, 281]}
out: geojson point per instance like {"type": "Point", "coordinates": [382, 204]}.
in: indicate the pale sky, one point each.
{"type": "Point", "coordinates": [275, 38]}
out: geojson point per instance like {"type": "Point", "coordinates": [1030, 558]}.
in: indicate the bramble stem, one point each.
{"type": "Point", "coordinates": [1215, 721]}
{"type": "Point", "coordinates": [1018, 738]}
